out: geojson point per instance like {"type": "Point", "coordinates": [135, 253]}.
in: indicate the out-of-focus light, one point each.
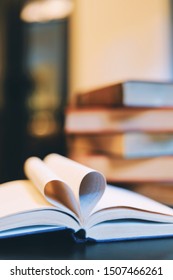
{"type": "Point", "coordinates": [46, 10]}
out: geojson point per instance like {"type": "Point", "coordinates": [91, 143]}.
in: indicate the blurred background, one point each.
{"type": "Point", "coordinates": [52, 49]}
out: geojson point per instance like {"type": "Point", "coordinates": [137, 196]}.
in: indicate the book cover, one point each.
{"type": "Point", "coordinates": [126, 145]}
{"type": "Point", "coordinates": [129, 93]}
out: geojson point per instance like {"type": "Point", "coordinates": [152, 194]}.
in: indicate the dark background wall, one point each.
{"type": "Point", "coordinates": [16, 87]}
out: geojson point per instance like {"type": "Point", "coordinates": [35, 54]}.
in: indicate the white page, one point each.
{"type": "Point", "coordinates": [118, 197]}
{"type": "Point", "coordinates": [19, 196]}
{"type": "Point", "coordinates": [38, 173]}
{"type": "Point", "coordinates": [51, 186]}
{"type": "Point", "coordinates": [87, 184]}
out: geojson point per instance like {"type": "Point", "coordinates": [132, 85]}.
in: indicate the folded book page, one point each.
{"type": "Point", "coordinates": [67, 183]}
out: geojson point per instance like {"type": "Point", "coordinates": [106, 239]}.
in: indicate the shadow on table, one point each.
{"type": "Point", "coordinates": [60, 245]}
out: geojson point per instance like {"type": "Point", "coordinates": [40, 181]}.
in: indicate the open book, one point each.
{"type": "Point", "coordinates": [62, 194]}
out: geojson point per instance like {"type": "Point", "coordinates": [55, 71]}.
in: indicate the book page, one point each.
{"type": "Point", "coordinates": [119, 197]}
{"type": "Point", "coordinates": [51, 186]}
{"type": "Point", "coordinates": [19, 196]}
{"type": "Point", "coordinates": [22, 205]}
{"type": "Point", "coordinates": [63, 181]}
{"type": "Point", "coordinates": [87, 184]}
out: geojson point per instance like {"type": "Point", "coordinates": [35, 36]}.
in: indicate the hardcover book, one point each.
{"type": "Point", "coordinates": [132, 170]}
{"type": "Point", "coordinates": [125, 145]}
{"type": "Point", "coordinates": [62, 194]}
{"type": "Point", "coordinates": [119, 120]}
{"type": "Point", "coordinates": [129, 93]}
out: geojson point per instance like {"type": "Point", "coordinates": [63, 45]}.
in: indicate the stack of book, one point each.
{"type": "Point", "coordinates": [125, 131]}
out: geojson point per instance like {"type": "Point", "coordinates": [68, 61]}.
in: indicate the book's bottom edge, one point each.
{"type": "Point", "coordinates": [80, 235]}
{"type": "Point", "coordinates": [23, 232]}
{"type": "Point", "coordinates": [132, 239]}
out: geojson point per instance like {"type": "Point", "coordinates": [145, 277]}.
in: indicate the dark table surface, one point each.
{"type": "Point", "coordinates": [60, 246]}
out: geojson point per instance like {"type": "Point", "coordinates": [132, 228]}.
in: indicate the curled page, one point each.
{"type": "Point", "coordinates": [56, 191]}
{"type": "Point", "coordinates": [87, 184]}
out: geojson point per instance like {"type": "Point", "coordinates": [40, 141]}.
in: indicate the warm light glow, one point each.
{"type": "Point", "coordinates": [46, 10]}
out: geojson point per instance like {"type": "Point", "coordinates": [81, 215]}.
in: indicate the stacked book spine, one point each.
{"type": "Point", "coordinates": [125, 131]}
